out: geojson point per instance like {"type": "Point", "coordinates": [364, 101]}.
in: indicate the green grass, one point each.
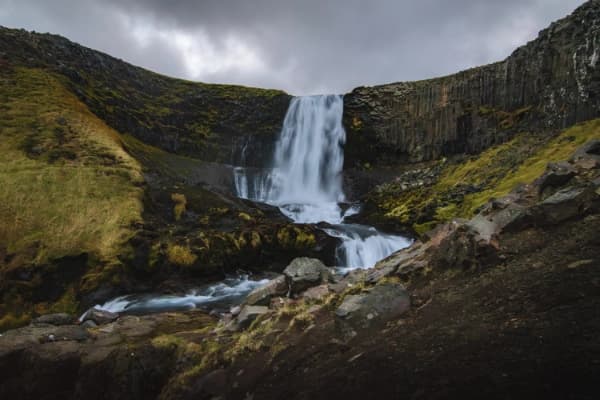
{"type": "Point", "coordinates": [491, 174]}
{"type": "Point", "coordinates": [68, 187]}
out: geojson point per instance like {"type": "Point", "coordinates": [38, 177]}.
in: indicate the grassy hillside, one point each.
{"type": "Point", "coordinates": [68, 187]}
{"type": "Point", "coordinates": [465, 184]}
{"type": "Point", "coordinates": [191, 118]}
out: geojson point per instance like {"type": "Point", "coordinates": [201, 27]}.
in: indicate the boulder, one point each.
{"type": "Point", "coordinates": [247, 316]}
{"type": "Point", "coordinates": [316, 293]}
{"type": "Point", "coordinates": [381, 304]}
{"type": "Point", "coordinates": [556, 175]}
{"type": "Point", "coordinates": [55, 319]}
{"type": "Point", "coordinates": [588, 155]}
{"type": "Point", "coordinates": [100, 317]}
{"type": "Point", "coordinates": [350, 279]}
{"type": "Point", "coordinates": [564, 204]}
{"type": "Point", "coordinates": [262, 295]}
{"type": "Point", "coordinates": [304, 273]}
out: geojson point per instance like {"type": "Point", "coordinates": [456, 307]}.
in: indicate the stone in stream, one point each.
{"type": "Point", "coordinates": [262, 295]}
{"type": "Point", "coordinates": [382, 303]}
{"type": "Point", "coordinates": [100, 317]}
{"type": "Point", "coordinates": [304, 273]}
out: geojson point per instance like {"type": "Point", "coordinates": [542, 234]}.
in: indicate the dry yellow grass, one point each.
{"type": "Point", "coordinates": [66, 184]}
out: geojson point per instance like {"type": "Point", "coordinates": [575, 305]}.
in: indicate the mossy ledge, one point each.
{"type": "Point", "coordinates": [464, 183]}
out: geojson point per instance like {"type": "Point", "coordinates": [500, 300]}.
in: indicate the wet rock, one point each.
{"type": "Point", "coordinates": [100, 317]}
{"type": "Point", "coordinates": [381, 304]}
{"type": "Point", "coordinates": [262, 295]}
{"type": "Point", "coordinates": [55, 319]}
{"type": "Point", "coordinates": [304, 273]}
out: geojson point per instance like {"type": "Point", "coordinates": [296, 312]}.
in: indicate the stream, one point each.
{"type": "Point", "coordinates": [305, 183]}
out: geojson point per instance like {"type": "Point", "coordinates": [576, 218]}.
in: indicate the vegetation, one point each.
{"type": "Point", "coordinates": [68, 185]}
{"type": "Point", "coordinates": [180, 255]}
{"type": "Point", "coordinates": [464, 185]}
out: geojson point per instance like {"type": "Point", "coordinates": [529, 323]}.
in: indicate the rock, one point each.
{"type": "Point", "coordinates": [465, 245]}
{"type": "Point", "coordinates": [304, 272]}
{"type": "Point", "coordinates": [563, 205]}
{"type": "Point", "coordinates": [352, 278]}
{"type": "Point", "coordinates": [100, 317]}
{"type": "Point", "coordinates": [316, 293]}
{"type": "Point", "coordinates": [279, 302]}
{"type": "Point", "coordinates": [248, 315]}
{"type": "Point", "coordinates": [262, 295]}
{"type": "Point", "coordinates": [55, 319]}
{"type": "Point", "coordinates": [588, 155]}
{"type": "Point", "coordinates": [89, 324]}
{"type": "Point", "coordinates": [381, 304]}
{"type": "Point", "coordinates": [556, 175]}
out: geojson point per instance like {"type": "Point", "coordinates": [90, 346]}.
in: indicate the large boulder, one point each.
{"type": "Point", "coordinates": [381, 304]}
{"type": "Point", "coordinates": [556, 175]}
{"type": "Point", "coordinates": [262, 295]}
{"type": "Point", "coordinates": [564, 204]}
{"type": "Point", "coordinates": [588, 155]}
{"type": "Point", "coordinates": [304, 273]}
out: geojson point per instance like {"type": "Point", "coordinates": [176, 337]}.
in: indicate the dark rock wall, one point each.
{"type": "Point", "coordinates": [548, 84]}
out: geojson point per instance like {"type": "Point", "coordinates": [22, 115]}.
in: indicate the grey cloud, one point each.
{"type": "Point", "coordinates": [305, 46]}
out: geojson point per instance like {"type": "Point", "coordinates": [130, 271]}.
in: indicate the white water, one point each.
{"type": "Point", "coordinates": [306, 180]}
{"type": "Point", "coordinates": [306, 184]}
{"type": "Point", "coordinates": [221, 294]}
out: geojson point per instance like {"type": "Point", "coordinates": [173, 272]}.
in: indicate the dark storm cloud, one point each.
{"type": "Point", "coordinates": [304, 46]}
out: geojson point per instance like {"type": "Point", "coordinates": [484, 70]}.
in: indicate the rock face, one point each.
{"type": "Point", "coordinates": [548, 84]}
{"type": "Point", "coordinates": [304, 272]}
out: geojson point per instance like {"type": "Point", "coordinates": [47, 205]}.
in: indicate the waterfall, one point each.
{"type": "Point", "coordinates": [305, 180]}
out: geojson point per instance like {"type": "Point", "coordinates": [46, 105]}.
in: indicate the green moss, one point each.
{"type": "Point", "coordinates": [12, 321]}
{"type": "Point", "coordinates": [465, 185]}
{"type": "Point", "coordinates": [180, 203]}
{"type": "Point", "coordinates": [294, 237]}
{"type": "Point", "coordinates": [180, 255]}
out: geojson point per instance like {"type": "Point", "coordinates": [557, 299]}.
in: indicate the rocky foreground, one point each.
{"type": "Point", "coordinates": [505, 305]}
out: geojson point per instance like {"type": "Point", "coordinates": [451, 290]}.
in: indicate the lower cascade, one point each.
{"type": "Point", "coordinates": [305, 180]}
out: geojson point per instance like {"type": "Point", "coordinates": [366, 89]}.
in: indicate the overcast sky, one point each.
{"type": "Point", "coordinates": [302, 46]}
